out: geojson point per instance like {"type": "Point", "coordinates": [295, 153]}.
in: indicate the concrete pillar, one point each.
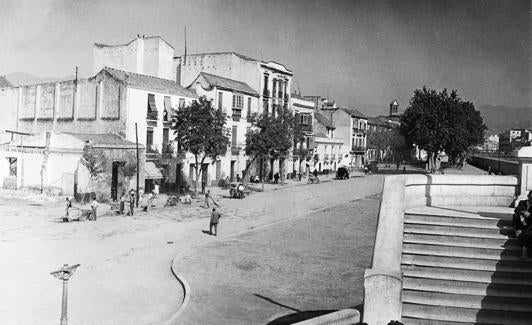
{"type": "Point", "coordinates": [525, 171]}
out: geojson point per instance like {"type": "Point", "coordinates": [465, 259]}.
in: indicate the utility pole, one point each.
{"type": "Point", "coordinates": [137, 146]}
{"type": "Point", "coordinates": [64, 274]}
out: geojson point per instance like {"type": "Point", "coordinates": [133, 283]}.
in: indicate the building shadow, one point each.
{"type": "Point", "coordinates": [508, 298]}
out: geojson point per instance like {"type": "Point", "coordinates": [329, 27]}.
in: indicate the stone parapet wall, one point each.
{"type": "Point", "coordinates": [383, 282]}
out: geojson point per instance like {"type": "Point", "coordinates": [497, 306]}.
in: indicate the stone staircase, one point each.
{"type": "Point", "coordinates": [463, 269]}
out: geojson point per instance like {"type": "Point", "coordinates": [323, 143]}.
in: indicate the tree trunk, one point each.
{"type": "Point", "coordinates": [197, 176]}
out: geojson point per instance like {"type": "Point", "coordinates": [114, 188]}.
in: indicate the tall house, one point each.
{"type": "Point", "coordinates": [271, 80]}
{"type": "Point", "coordinates": [351, 126]}
{"type": "Point", "coordinates": [151, 56]}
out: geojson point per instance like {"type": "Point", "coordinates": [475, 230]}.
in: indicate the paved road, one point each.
{"type": "Point", "coordinates": [125, 275]}
{"type": "Point", "coordinates": [291, 270]}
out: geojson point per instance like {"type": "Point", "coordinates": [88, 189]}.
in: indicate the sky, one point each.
{"type": "Point", "coordinates": [363, 54]}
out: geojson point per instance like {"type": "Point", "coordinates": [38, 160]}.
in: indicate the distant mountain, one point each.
{"type": "Point", "coordinates": [24, 78]}
{"type": "Point", "coordinates": [502, 118]}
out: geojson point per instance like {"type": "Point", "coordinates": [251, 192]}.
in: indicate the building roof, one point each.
{"type": "Point", "coordinates": [226, 83]}
{"type": "Point", "coordinates": [353, 112]}
{"type": "Point", "coordinates": [104, 140]}
{"type": "Point", "coordinates": [220, 53]}
{"type": "Point", "coordinates": [380, 120]}
{"type": "Point", "coordinates": [4, 82]}
{"type": "Point", "coordinates": [141, 81]}
{"type": "Point", "coordinates": [133, 40]}
{"type": "Point", "coordinates": [323, 120]}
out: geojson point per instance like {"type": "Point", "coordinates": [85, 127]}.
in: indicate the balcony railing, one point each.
{"type": "Point", "coordinates": [152, 115]}
{"type": "Point", "coordinates": [359, 130]}
{"type": "Point", "coordinates": [168, 148]}
{"type": "Point", "coordinates": [236, 147]}
{"type": "Point", "coordinates": [305, 127]}
{"type": "Point", "coordinates": [237, 113]}
{"type": "Point", "coordinates": [358, 149]}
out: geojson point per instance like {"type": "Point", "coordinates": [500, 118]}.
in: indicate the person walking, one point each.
{"type": "Point", "coordinates": [68, 207]}
{"type": "Point", "coordinates": [315, 173]}
{"type": "Point", "coordinates": [94, 209]}
{"type": "Point", "coordinates": [215, 219]}
{"type": "Point", "coordinates": [131, 202]}
{"type": "Point", "coordinates": [276, 178]}
{"type": "Point", "coordinates": [122, 202]}
{"type": "Point", "coordinates": [209, 197]}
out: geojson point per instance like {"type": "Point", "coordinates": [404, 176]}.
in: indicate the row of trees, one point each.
{"type": "Point", "coordinates": [200, 129]}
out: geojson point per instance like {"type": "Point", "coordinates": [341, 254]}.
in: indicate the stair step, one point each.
{"type": "Point", "coordinates": [494, 277]}
{"type": "Point", "coordinates": [452, 221]}
{"type": "Point", "coordinates": [467, 301]}
{"type": "Point", "coordinates": [475, 316]}
{"type": "Point", "coordinates": [467, 288]}
{"type": "Point", "coordinates": [470, 252]}
{"type": "Point", "coordinates": [456, 231]}
{"type": "Point", "coordinates": [417, 321]}
{"type": "Point", "coordinates": [520, 266]}
{"type": "Point", "coordinates": [494, 243]}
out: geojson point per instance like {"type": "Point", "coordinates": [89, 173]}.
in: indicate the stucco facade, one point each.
{"type": "Point", "coordinates": [151, 56]}
{"type": "Point", "coordinates": [351, 127]}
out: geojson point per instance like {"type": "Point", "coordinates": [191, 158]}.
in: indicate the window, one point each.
{"type": "Point", "coordinates": [152, 107]}
{"type": "Point", "coordinates": [249, 106]}
{"type": "Point", "coordinates": [149, 140]}
{"type": "Point", "coordinates": [166, 135]}
{"type": "Point", "coordinates": [238, 101]}
{"type": "Point", "coordinates": [234, 135]}
{"type": "Point", "coordinates": [220, 100]}
{"type": "Point", "coordinates": [12, 166]}
{"type": "Point", "coordinates": [167, 108]}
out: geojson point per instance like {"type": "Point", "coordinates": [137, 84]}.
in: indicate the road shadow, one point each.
{"type": "Point", "coordinates": [206, 232]}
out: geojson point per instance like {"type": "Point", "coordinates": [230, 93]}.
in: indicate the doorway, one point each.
{"type": "Point", "coordinates": [232, 171]}
{"type": "Point", "coordinates": [114, 181]}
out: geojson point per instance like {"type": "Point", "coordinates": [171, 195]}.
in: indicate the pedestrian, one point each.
{"type": "Point", "coordinates": [149, 200]}
{"type": "Point", "coordinates": [155, 190]}
{"type": "Point", "coordinates": [490, 171]}
{"type": "Point", "coordinates": [215, 218]}
{"type": "Point", "coordinates": [131, 202]}
{"type": "Point", "coordinates": [522, 221]}
{"type": "Point", "coordinates": [238, 179]}
{"type": "Point", "coordinates": [276, 178]}
{"type": "Point", "coordinates": [94, 208]}
{"type": "Point", "coordinates": [68, 207]}
{"type": "Point", "coordinates": [404, 169]}
{"type": "Point", "coordinates": [398, 166]}
{"type": "Point", "coordinates": [122, 202]}
{"type": "Point", "coordinates": [208, 197]}
{"type": "Point", "coordinates": [315, 173]}
{"type": "Point", "coordinates": [299, 176]}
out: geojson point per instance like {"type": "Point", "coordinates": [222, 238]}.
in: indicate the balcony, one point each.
{"type": "Point", "coordinates": [358, 149]}
{"type": "Point", "coordinates": [152, 152]}
{"type": "Point", "coordinates": [236, 147]}
{"type": "Point", "coordinates": [326, 157]}
{"type": "Point", "coordinates": [306, 127]}
{"type": "Point", "coordinates": [152, 115]}
{"type": "Point", "coordinates": [168, 149]}
{"type": "Point", "coordinates": [359, 130]}
{"type": "Point", "coordinates": [302, 152]}
{"type": "Point", "coordinates": [237, 114]}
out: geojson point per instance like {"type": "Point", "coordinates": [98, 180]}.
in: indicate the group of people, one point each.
{"type": "Point", "coordinates": [93, 212]}
{"type": "Point", "coordinates": [522, 221]}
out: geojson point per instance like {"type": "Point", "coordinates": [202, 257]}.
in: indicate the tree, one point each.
{"type": "Point", "coordinates": [200, 129]}
{"type": "Point", "coordinates": [95, 162]}
{"type": "Point", "coordinates": [441, 121]}
{"type": "Point", "coordinates": [380, 141]}
{"type": "Point", "coordinates": [270, 136]}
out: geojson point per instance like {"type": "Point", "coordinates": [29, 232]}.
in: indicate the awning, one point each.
{"type": "Point", "coordinates": [151, 171]}
{"type": "Point", "coordinates": [151, 103]}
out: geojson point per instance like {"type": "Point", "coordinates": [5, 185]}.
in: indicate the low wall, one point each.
{"type": "Point", "coordinates": [383, 282]}
{"type": "Point", "coordinates": [506, 167]}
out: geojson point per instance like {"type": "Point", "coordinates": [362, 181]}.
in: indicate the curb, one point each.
{"type": "Point", "coordinates": [186, 292]}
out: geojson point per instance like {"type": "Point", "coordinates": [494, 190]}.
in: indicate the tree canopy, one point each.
{"type": "Point", "coordinates": [437, 121]}
{"type": "Point", "coordinates": [200, 129]}
{"type": "Point", "coordinates": [270, 136]}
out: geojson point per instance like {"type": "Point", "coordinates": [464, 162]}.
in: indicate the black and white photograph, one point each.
{"type": "Point", "coordinates": [266, 162]}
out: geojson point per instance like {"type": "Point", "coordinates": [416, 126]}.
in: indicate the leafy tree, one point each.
{"type": "Point", "coordinates": [380, 141]}
{"type": "Point", "coordinates": [441, 121]}
{"type": "Point", "coordinates": [95, 162]}
{"type": "Point", "coordinates": [200, 129]}
{"type": "Point", "coordinates": [270, 136]}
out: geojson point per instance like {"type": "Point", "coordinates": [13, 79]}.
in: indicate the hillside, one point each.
{"type": "Point", "coordinates": [501, 118]}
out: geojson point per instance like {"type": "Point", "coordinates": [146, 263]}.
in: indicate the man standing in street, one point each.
{"type": "Point", "coordinates": [131, 202]}
{"type": "Point", "coordinates": [215, 218]}
{"type": "Point", "coordinates": [208, 197]}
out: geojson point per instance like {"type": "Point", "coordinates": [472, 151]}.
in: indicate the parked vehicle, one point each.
{"type": "Point", "coordinates": [236, 190]}
{"type": "Point", "coordinates": [342, 173]}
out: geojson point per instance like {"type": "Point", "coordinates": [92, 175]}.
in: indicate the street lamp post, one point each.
{"type": "Point", "coordinates": [64, 274]}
